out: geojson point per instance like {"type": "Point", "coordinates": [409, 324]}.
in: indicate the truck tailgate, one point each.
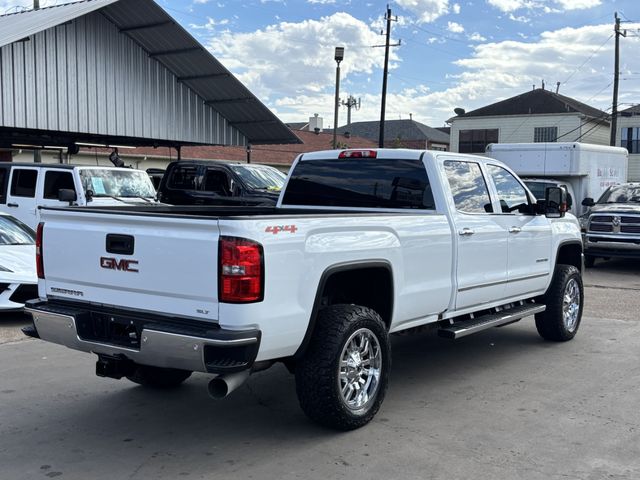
{"type": "Point", "coordinates": [133, 261]}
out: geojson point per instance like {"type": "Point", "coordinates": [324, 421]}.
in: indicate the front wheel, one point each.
{"type": "Point", "coordinates": [564, 300]}
{"type": "Point", "coordinates": [342, 378]}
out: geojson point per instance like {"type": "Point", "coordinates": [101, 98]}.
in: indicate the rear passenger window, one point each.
{"type": "Point", "coordinates": [55, 181]}
{"type": "Point", "coordinates": [468, 187]}
{"type": "Point", "coordinates": [23, 183]}
{"type": "Point", "coordinates": [184, 178]}
{"type": "Point", "coordinates": [360, 183]}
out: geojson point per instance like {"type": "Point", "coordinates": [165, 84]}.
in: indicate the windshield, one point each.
{"type": "Point", "coordinates": [260, 177]}
{"type": "Point", "coordinates": [621, 194]}
{"type": "Point", "coordinates": [106, 182]}
{"type": "Point", "coordinates": [14, 232]}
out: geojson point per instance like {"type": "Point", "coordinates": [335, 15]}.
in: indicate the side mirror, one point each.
{"type": "Point", "coordinates": [588, 202]}
{"type": "Point", "coordinates": [67, 195]}
{"type": "Point", "coordinates": [555, 199]}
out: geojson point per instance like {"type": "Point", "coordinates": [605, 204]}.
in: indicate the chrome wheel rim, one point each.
{"type": "Point", "coordinates": [571, 305]}
{"type": "Point", "coordinates": [359, 369]}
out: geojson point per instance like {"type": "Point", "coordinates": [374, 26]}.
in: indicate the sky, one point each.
{"type": "Point", "coordinates": [451, 53]}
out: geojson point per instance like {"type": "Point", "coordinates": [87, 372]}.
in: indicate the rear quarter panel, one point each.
{"type": "Point", "coordinates": [417, 248]}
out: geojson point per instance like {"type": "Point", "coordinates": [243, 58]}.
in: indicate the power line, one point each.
{"type": "Point", "coordinates": [590, 57]}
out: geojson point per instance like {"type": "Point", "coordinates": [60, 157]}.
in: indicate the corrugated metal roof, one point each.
{"type": "Point", "coordinates": [16, 26]}
{"type": "Point", "coordinates": [169, 43]}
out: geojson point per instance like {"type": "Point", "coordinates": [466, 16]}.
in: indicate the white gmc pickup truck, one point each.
{"type": "Point", "coordinates": [362, 244]}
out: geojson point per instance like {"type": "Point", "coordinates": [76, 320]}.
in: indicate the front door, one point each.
{"type": "Point", "coordinates": [481, 241]}
{"type": "Point", "coordinates": [529, 261]}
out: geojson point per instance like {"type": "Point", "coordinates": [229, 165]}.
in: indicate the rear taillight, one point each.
{"type": "Point", "coordinates": [241, 274]}
{"type": "Point", "coordinates": [39, 257]}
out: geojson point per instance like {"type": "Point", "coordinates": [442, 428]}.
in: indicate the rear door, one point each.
{"type": "Point", "coordinates": [132, 261]}
{"type": "Point", "coordinates": [182, 184]}
{"type": "Point", "coordinates": [21, 197]}
{"type": "Point", "coordinates": [482, 242]}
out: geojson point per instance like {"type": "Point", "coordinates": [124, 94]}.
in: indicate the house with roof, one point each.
{"type": "Point", "coordinates": [400, 134]}
{"type": "Point", "coordinates": [536, 116]}
{"type": "Point", "coordinates": [628, 136]}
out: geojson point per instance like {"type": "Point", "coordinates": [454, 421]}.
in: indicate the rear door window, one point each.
{"type": "Point", "coordinates": [360, 183]}
{"type": "Point", "coordinates": [54, 181]}
{"type": "Point", "coordinates": [468, 187]}
{"type": "Point", "coordinates": [23, 182]}
{"type": "Point", "coordinates": [184, 177]}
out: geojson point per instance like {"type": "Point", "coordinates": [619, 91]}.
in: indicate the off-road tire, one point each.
{"type": "Point", "coordinates": [156, 377]}
{"type": "Point", "coordinates": [589, 261]}
{"type": "Point", "coordinates": [551, 323]}
{"type": "Point", "coordinates": [317, 372]}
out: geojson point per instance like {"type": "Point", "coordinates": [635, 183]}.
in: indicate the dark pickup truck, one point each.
{"type": "Point", "coordinates": [209, 182]}
{"type": "Point", "coordinates": [613, 224]}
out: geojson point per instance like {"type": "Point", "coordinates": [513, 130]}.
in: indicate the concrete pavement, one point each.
{"type": "Point", "coordinates": [499, 405]}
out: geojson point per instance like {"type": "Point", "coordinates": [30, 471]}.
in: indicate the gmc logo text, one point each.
{"type": "Point", "coordinates": [123, 265]}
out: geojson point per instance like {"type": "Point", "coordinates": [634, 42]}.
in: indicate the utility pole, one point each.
{"type": "Point", "coordinates": [385, 73]}
{"type": "Point", "coordinates": [338, 57]}
{"type": "Point", "coordinates": [37, 154]}
{"type": "Point", "coordinates": [616, 78]}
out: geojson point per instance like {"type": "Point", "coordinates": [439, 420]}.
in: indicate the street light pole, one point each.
{"type": "Point", "coordinates": [338, 57]}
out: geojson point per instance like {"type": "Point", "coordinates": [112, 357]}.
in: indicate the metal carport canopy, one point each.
{"type": "Point", "coordinates": [147, 24]}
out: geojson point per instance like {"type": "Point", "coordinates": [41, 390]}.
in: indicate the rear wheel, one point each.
{"type": "Point", "coordinates": [564, 300]}
{"type": "Point", "coordinates": [157, 377]}
{"type": "Point", "coordinates": [342, 378]}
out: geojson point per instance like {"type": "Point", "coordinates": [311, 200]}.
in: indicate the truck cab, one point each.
{"type": "Point", "coordinates": [24, 187]}
{"type": "Point", "coordinates": [213, 182]}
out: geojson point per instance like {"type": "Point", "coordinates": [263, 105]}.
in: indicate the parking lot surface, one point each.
{"type": "Point", "coordinates": [502, 404]}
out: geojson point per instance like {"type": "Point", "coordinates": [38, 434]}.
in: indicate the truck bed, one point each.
{"type": "Point", "coordinates": [227, 211]}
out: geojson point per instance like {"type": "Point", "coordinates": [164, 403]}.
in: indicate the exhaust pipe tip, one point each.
{"type": "Point", "coordinates": [218, 388]}
{"type": "Point", "coordinates": [223, 385]}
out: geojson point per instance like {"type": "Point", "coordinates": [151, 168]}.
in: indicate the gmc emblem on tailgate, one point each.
{"type": "Point", "coordinates": [123, 265]}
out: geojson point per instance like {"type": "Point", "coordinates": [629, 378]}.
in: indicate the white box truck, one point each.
{"type": "Point", "coordinates": [586, 170]}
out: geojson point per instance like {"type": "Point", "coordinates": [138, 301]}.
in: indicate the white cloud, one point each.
{"type": "Point", "coordinates": [578, 4]}
{"type": "Point", "coordinates": [476, 37]}
{"type": "Point", "coordinates": [456, 8]}
{"type": "Point", "coordinates": [210, 25]}
{"type": "Point", "coordinates": [290, 59]}
{"type": "Point", "coordinates": [425, 10]}
{"type": "Point", "coordinates": [510, 5]}
{"type": "Point", "coordinates": [519, 18]}
{"type": "Point", "coordinates": [455, 27]}
{"type": "Point", "coordinates": [546, 6]}
{"type": "Point", "coordinates": [496, 71]}
{"type": "Point", "coordinates": [322, 2]}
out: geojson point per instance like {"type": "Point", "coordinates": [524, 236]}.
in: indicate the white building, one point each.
{"type": "Point", "coordinates": [535, 116]}
{"type": "Point", "coordinates": [628, 136]}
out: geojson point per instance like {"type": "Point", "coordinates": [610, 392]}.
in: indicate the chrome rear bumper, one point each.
{"type": "Point", "coordinates": [213, 351]}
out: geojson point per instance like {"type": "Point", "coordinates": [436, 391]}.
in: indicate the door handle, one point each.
{"type": "Point", "coordinates": [515, 230]}
{"type": "Point", "coordinates": [12, 205]}
{"type": "Point", "coordinates": [465, 232]}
